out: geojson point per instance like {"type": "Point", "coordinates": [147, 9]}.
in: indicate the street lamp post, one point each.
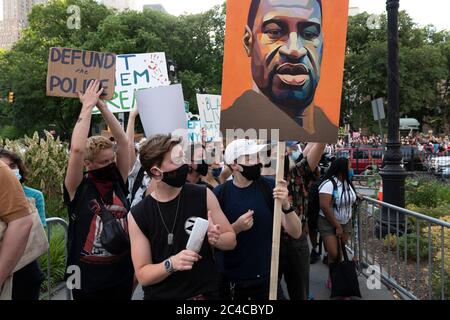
{"type": "Point", "coordinates": [393, 174]}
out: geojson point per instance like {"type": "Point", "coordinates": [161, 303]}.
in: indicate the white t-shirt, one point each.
{"type": "Point", "coordinates": [344, 202]}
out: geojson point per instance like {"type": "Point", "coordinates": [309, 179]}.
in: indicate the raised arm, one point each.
{"type": "Point", "coordinates": [313, 152]}
{"type": "Point", "coordinates": [130, 134]}
{"type": "Point", "coordinates": [123, 156]}
{"type": "Point", "coordinates": [74, 174]}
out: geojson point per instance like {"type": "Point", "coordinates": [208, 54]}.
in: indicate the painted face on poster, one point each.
{"type": "Point", "coordinates": [290, 49]}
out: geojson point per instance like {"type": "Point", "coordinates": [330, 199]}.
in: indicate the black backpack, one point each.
{"type": "Point", "coordinates": [314, 202]}
{"type": "Point", "coordinates": [113, 236]}
{"type": "Point", "coordinates": [265, 188]}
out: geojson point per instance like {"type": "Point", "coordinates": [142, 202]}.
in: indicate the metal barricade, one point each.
{"type": "Point", "coordinates": [382, 235]}
{"type": "Point", "coordinates": [50, 223]}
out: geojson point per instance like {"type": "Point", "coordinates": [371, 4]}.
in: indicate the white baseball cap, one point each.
{"type": "Point", "coordinates": [242, 147]}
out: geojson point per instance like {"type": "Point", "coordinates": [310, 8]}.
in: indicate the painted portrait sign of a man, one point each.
{"type": "Point", "coordinates": [284, 41]}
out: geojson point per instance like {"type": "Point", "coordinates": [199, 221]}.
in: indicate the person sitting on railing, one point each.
{"type": "Point", "coordinates": [26, 281]}
{"type": "Point", "coordinates": [337, 196]}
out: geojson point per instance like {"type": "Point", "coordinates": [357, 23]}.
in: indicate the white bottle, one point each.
{"type": "Point", "coordinates": [198, 233]}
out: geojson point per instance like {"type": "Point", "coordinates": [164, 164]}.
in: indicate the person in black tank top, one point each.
{"type": "Point", "coordinates": [161, 224]}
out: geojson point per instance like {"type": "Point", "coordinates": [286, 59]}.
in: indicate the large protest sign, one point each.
{"type": "Point", "coordinates": [209, 109]}
{"type": "Point", "coordinates": [285, 72]}
{"type": "Point", "coordinates": [134, 72]}
{"type": "Point", "coordinates": [71, 70]}
{"type": "Point", "coordinates": [161, 110]}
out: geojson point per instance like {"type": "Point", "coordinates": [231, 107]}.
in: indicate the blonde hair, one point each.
{"type": "Point", "coordinates": [96, 144]}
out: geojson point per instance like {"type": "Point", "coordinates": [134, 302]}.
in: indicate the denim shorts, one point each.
{"type": "Point", "coordinates": [327, 229]}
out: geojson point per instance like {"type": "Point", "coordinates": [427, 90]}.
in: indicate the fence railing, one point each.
{"type": "Point", "coordinates": [51, 222]}
{"type": "Point", "coordinates": [412, 250]}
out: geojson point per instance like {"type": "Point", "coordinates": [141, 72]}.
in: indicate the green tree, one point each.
{"type": "Point", "coordinates": [25, 66]}
{"type": "Point", "coordinates": [194, 42]}
{"type": "Point", "coordinates": [423, 65]}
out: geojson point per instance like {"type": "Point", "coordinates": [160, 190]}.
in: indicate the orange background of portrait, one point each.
{"type": "Point", "coordinates": [237, 77]}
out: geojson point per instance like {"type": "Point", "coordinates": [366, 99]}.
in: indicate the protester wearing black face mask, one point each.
{"type": "Point", "coordinates": [252, 172]}
{"type": "Point", "coordinates": [177, 177]}
{"type": "Point", "coordinates": [162, 222]}
{"type": "Point", "coordinates": [198, 168]}
{"type": "Point", "coordinates": [248, 203]}
{"type": "Point", "coordinates": [104, 275]}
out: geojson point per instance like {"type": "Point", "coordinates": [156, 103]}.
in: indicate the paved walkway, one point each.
{"type": "Point", "coordinates": [318, 276]}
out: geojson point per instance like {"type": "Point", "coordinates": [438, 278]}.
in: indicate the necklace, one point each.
{"type": "Point", "coordinates": [169, 234]}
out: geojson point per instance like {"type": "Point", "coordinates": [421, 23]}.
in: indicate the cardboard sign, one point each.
{"type": "Point", "coordinates": [71, 70]}
{"type": "Point", "coordinates": [209, 109]}
{"type": "Point", "coordinates": [271, 81]}
{"type": "Point", "coordinates": [134, 72]}
{"type": "Point", "coordinates": [161, 110]}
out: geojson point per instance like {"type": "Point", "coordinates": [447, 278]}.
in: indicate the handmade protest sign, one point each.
{"type": "Point", "coordinates": [161, 110]}
{"type": "Point", "coordinates": [283, 67]}
{"type": "Point", "coordinates": [71, 70]}
{"type": "Point", "coordinates": [194, 128]}
{"type": "Point", "coordinates": [209, 109]}
{"type": "Point", "coordinates": [134, 72]}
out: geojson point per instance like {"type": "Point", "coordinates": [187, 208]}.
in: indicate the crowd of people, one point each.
{"type": "Point", "coordinates": [359, 140]}
{"type": "Point", "coordinates": [132, 209]}
{"type": "Point", "coordinates": [423, 142]}
{"type": "Point", "coordinates": [427, 143]}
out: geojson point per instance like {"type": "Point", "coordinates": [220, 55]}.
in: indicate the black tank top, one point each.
{"type": "Point", "coordinates": [181, 285]}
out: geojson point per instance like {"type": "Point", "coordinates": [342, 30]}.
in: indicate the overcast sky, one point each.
{"type": "Point", "coordinates": [423, 12]}
{"type": "Point", "coordinates": [436, 12]}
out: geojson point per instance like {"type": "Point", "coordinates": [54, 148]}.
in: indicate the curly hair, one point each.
{"type": "Point", "coordinates": [95, 144]}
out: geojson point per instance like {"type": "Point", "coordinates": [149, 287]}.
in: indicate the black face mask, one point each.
{"type": "Point", "coordinates": [176, 178]}
{"type": "Point", "coordinates": [108, 173]}
{"type": "Point", "coordinates": [252, 173]}
{"type": "Point", "coordinates": [202, 168]}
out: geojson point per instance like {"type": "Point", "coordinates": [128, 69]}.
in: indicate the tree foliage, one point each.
{"type": "Point", "coordinates": [196, 44]}
{"type": "Point", "coordinates": [423, 66]}
{"type": "Point", "coordinates": [193, 42]}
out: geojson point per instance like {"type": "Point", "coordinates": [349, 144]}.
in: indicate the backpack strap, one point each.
{"type": "Point", "coordinates": [85, 185]}
{"type": "Point", "coordinates": [121, 191]}
{"type": "Point", "coordinates": [119, 188]}
{"type": "Point", "coordinates": [335, 189]}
